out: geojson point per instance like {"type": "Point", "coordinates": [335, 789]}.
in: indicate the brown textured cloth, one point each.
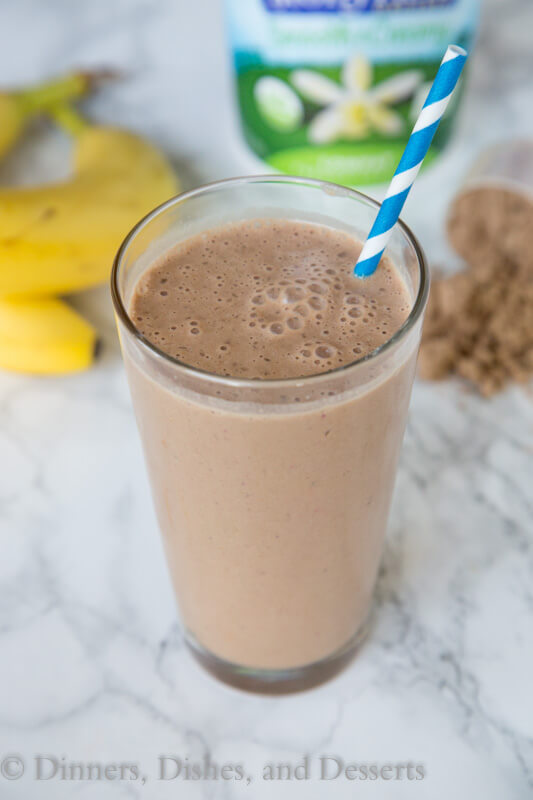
{"type": "Point", "coordinates": [479, 323]}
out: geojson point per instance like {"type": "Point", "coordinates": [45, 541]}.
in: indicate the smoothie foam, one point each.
{"type": "Point", "coordinates": [268, 299]}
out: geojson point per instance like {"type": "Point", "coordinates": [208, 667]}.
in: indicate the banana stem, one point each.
{"type": "Point", "coordinates": [67, 88]}
{"type": "Point", "coordinates": [68, 118]}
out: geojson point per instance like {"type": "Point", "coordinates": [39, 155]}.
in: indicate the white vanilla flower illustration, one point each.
{"type": "Point", "coordinates": [354, 108]}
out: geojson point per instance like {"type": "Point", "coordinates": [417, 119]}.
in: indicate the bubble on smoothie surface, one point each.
{"type": "Point", "coordinates": [268, 299]}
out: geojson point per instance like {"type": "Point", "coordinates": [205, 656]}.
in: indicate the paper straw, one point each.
{"type": "Point", "coordinates": [411, 160]}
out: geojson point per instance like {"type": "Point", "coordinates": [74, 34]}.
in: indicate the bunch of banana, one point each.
{"type": "Point", "coordinates": [61, 238]}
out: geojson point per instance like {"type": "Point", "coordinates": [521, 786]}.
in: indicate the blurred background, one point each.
{"type": "Point", "coordinates": [92, 665]}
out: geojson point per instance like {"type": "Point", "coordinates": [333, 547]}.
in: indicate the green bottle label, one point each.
{"type": "Point", "coordinates": [331, 90]}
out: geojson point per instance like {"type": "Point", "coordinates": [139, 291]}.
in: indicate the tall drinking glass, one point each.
{"type": "Point", "coordinates": [272, 495]}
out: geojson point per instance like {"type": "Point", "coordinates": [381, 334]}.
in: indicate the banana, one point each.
{"type": "Point", "coordinates": [44, 336]}
{"type": "Point", "coordinates": [62, 238]}
{"type": "Point", "coordinates": [18, 107]}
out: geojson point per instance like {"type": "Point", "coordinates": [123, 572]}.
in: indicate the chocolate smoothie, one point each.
{"type": "Point", "coordinates": [273, 517]}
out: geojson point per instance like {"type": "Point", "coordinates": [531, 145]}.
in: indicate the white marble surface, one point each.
{"type": "Point", "coordinates": [92, 666]}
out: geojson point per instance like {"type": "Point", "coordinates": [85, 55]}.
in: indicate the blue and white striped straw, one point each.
{"type": "Point", "coordinates": [411, 161]}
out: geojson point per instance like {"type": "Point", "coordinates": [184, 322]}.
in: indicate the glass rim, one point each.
{"type": "Point", "coordinates": [250, 383]}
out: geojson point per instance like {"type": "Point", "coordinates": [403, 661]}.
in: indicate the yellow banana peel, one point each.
{"type": "Point", "coordinates": [62, 238]}
{"type": "Point", "coordinates": [44, 336]}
